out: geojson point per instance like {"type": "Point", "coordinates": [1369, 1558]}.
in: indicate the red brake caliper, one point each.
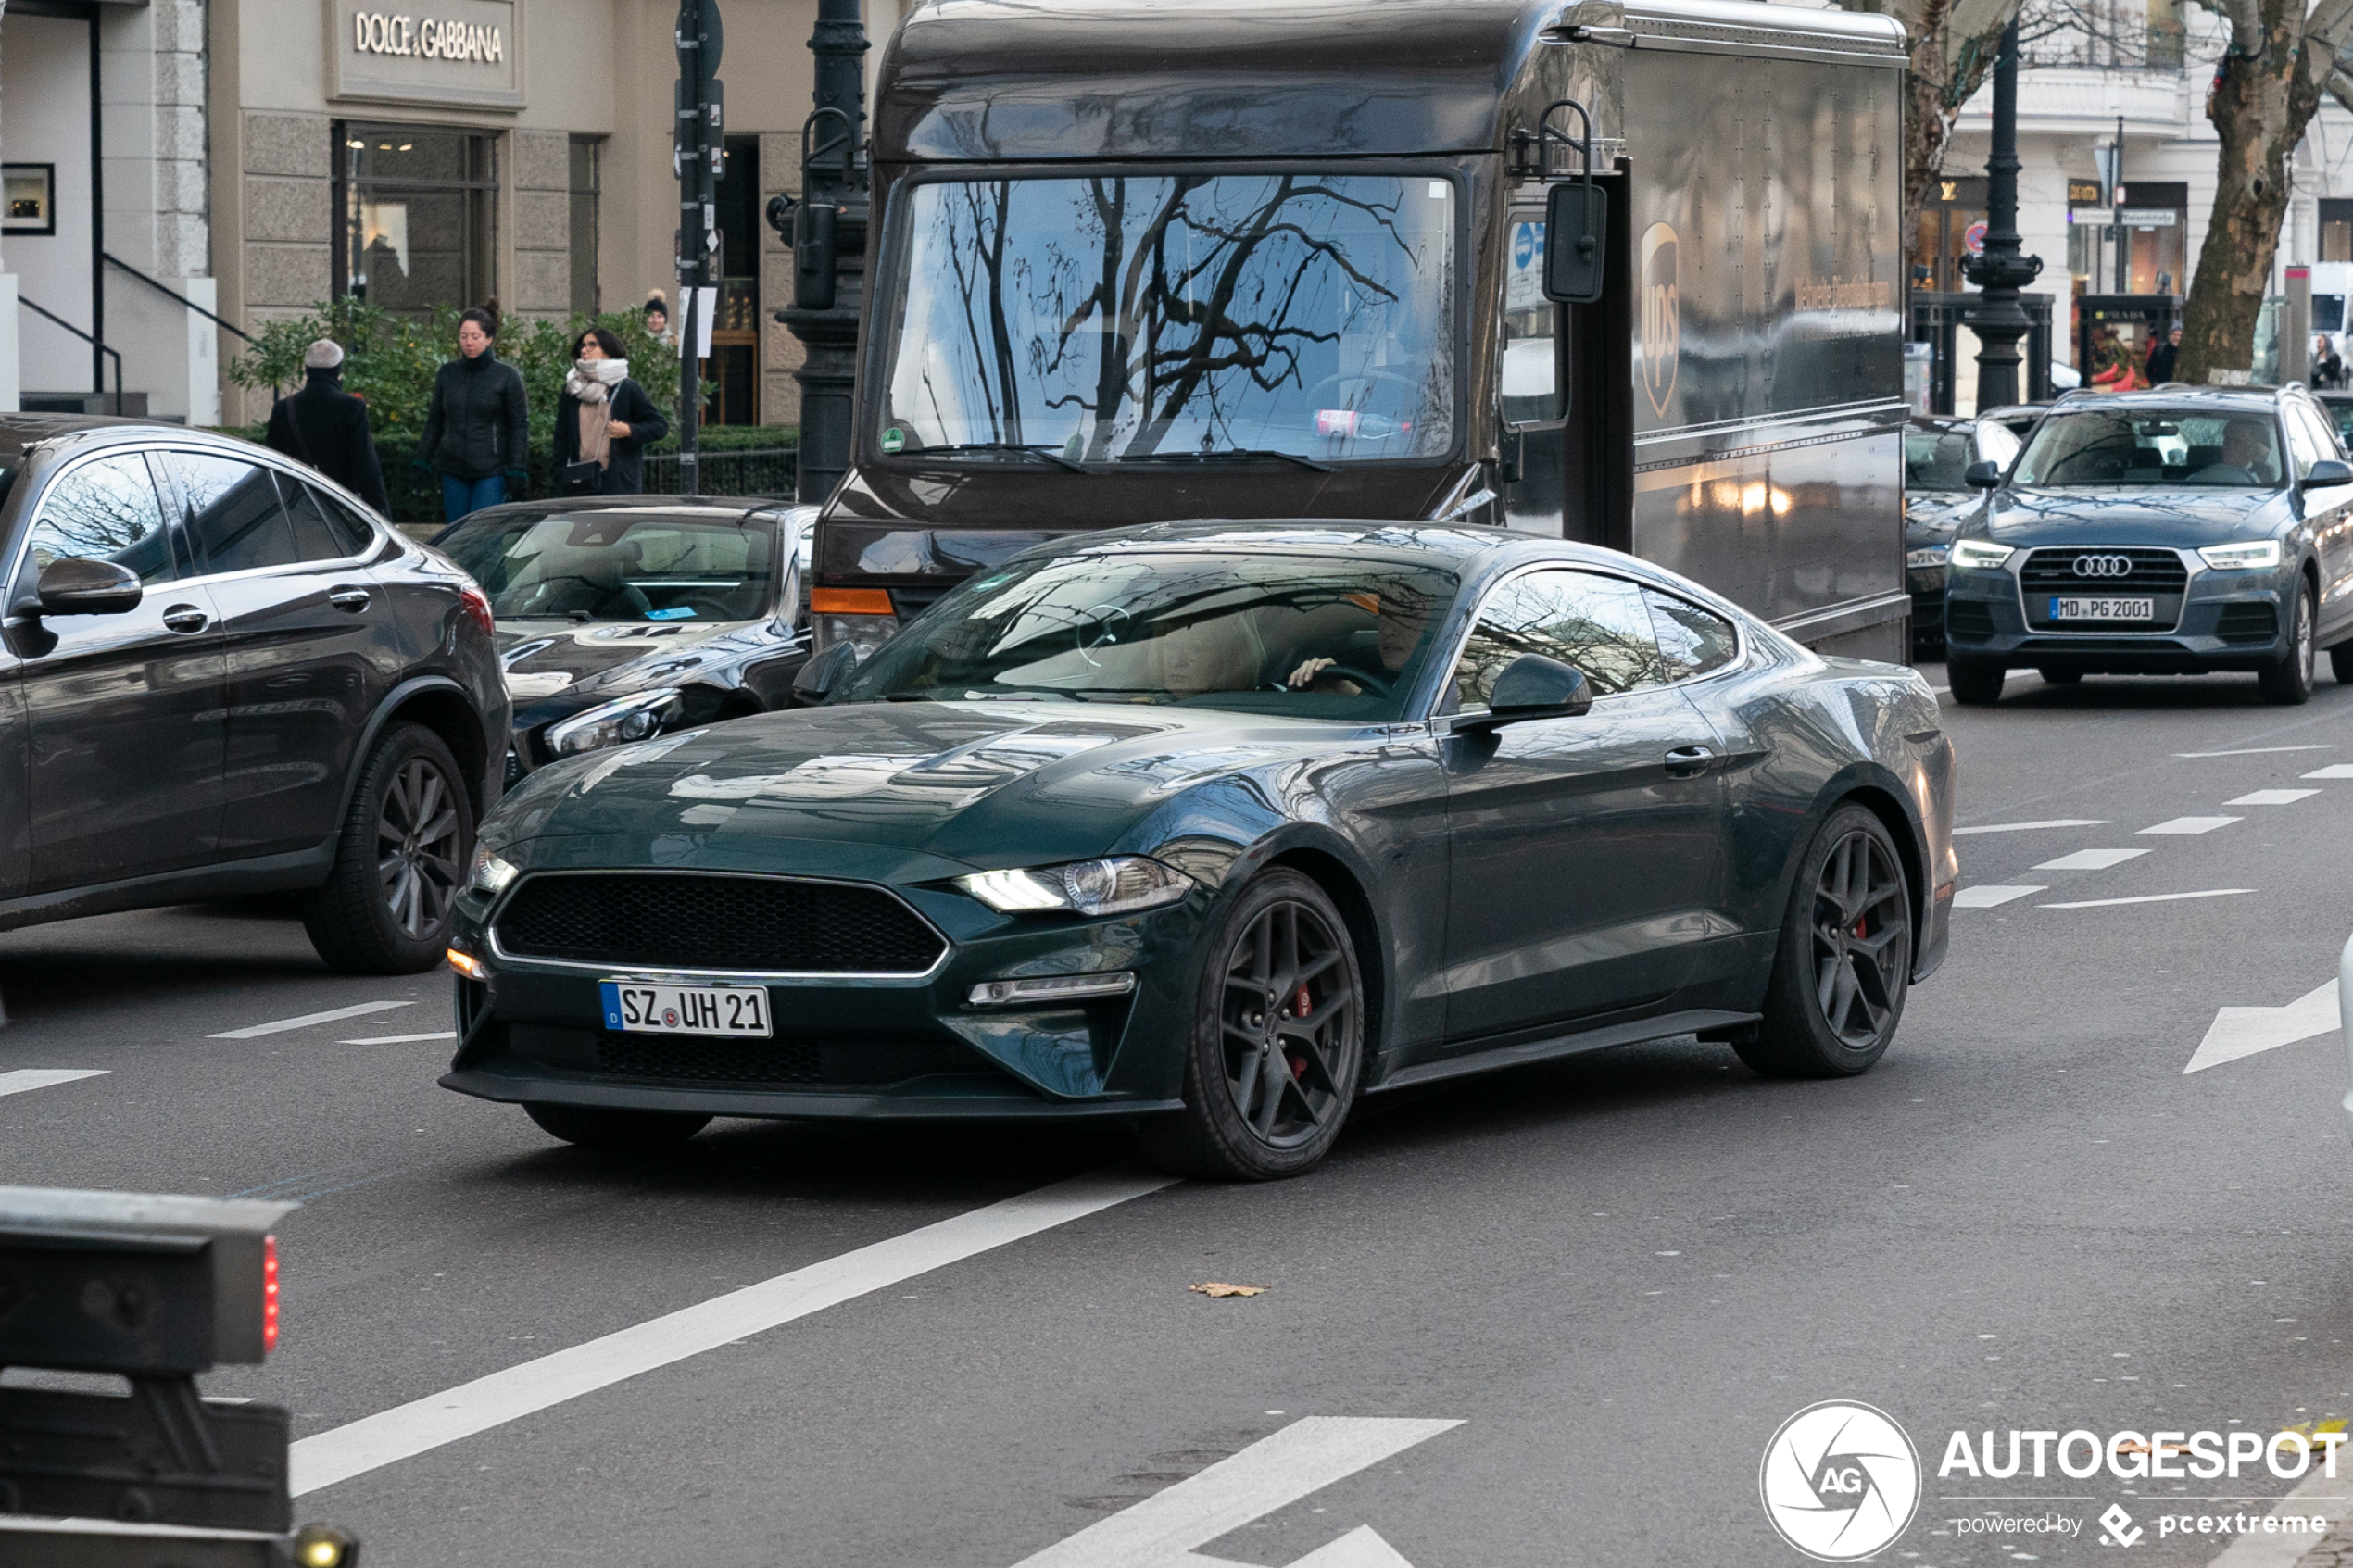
{"type": "Point", "coordinates": [1301, 1006]}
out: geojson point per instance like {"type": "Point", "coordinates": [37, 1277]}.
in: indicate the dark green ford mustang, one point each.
{"type": "Point", "coordinates": [1214, 828]}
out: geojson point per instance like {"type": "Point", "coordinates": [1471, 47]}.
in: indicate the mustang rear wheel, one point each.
{"type": "Point", "coordinates": [596, 1126]}
{"type": "Point", "coordinates": [1277, 1039]}
{"type": "Point", "coordinates": [1844, 961]}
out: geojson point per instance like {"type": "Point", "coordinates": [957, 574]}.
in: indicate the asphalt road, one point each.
{"type": "Point", "coordinates": [1618, 1275]}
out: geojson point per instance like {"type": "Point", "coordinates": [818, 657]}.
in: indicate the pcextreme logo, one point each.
{"type": "Point", "coordinates": [1840, 1481]}
{"type": "Point", "coordinates": [1661, 307]}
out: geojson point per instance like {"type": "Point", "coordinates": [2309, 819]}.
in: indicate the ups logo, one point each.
{"type": "Point", "coordinates": [1661, 314]}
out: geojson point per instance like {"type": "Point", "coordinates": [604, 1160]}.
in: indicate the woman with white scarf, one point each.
{"type": "Point", "coordinates": [604, 421]}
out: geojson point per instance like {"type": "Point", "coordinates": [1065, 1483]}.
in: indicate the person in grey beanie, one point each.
{"type": "Point", "coordinates": [326, 427]}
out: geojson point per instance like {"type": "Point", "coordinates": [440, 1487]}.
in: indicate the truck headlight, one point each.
{"type": "Point", "coordinates": [2251, 557]}
{"type": "Point", "coordinates": [864, 618]}
{"type": "Point", "coordinates": [1930, 555]}
{"type": "Point", "coordinates": [1116, 886]}
{"type": "Point", "coordinates": [633, 718]}
{"type": "Point", "coordinates": [1976, 554]}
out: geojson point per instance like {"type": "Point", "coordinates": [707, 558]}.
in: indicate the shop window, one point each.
{"type": "Point", "coordinates": [2337, 231]}
{"type": "Point", "coordinates": [1952, 227]}
{"type": "Point", "coordinates": [587, 153]}
{"type": "Point", "coordinates": [416, 210]}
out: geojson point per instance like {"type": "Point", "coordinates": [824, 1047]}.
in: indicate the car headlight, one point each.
{"type": "Point", "coordinates": [490, 874]}
{"type": "Point", "coordinates": [1117, 886]}
{"type": "Point", "coordinates": [1978, 555]}
{"type": "Point", "coordinates": [632, 717]}
{"type": "Point", "coordinates": [1932, 555]}
{"type": "Point", "coordinates": [2249, 557]}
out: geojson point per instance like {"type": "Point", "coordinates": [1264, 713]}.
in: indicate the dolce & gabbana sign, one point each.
{"type": "Point", "coordinates": [442, 52]}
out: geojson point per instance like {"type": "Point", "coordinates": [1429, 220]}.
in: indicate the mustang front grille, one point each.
{"type": "Point", "coordinates": [747, 924]}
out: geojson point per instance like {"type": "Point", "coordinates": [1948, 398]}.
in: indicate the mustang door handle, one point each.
{"type": "Point", "coordinates": [1686, 761]}
{"type": "Point", "coordinates": [352, 600]}
{"type": "Point", "coordinates": [186, 617]}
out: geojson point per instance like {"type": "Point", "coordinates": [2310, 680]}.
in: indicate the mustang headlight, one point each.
{"type": "Point", "coordinates": [490, 874]}
{"type": "Point", "coordinates": [1932, 555]}
{"type": "Point", "coordinates": [1117, 886]}
{"type": "Point", "coordinates": [1978, 555]}
{"type": "Point", "coordinates": [632, 717]}
{"type": "Point", "coordinates": [2250, 557]}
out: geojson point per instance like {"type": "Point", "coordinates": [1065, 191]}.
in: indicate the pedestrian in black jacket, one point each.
{"type": "Point", "coordinates": [327, 428]}
{"type": "Point", "coordinates": [477, 430]}
{"type": "Point", "coordinates": [604, 421]}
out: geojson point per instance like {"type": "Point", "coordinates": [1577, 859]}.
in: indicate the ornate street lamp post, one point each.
{"type": "Point", "coordinates": [2001, 271]}
{"type": "Point", "coordinates": [827, 229]}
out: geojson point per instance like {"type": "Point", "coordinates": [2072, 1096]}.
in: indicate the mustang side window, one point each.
{"type": "Point", "coordinates": [105, 511]}
{"type": "Point", "coordinates": [1600, 625]}
{"type": "Point", "coordinates": [1692, 641]}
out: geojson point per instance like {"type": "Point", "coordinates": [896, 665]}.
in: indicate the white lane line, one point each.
{"type": "Point", "coordinates": [407, 1430]}
{"type": "Point", "coordinates": [2257, 750]}
{"type": "Point", "coordinates": [307, 1019]}
{"type": "Point", "coordinates": [400, 1039]}
{"type": "Point", "coordinates": [2241, 1032]}
{"type": "Point", "coordinates": [2148, 898]}
{"type": "Point", "coordinates": [2024, 827]}
{"type": "Point", "coordinates": [25, 1078]}
{"type": "Point", "coordinates": [1989, 896]}
{"type": "Point", "coordinates": [2334, 770]}
{"type": "Point", "coordinates": [1303, 1458]}
{"type": "Point", "coordinates": [2272, 797]}
{"type": "Point", "coordinates": [2090, 860]}
{"type": "Point", "coordinates": [2193, 824]}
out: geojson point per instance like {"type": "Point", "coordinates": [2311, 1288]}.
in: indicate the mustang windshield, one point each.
{"type": "Point", "coordinates": [2152, 447]}
{"type": "Point", "coordinates": [616, 566]}
{"type": "Point", "coordinates": [1174, 318]}
{"type": "Point", "coordinates": [1320, 636]}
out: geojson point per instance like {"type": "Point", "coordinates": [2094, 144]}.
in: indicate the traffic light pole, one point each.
{"type": "Point", "coordinates": [697, 158]}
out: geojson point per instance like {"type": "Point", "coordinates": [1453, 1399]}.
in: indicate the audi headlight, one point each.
{"type": "Point", "coordinates": [633, 718]}
{"type": "Point", "coordinates": [1120, 886]}
{"type": "Point", "coordinates": [1932, 555]}
{"type": "Point", "coordinates": [2249, 557]}
{"type": "Point", "coordinates": [1976, 554]}
{"type": "Point", "coordinates": [490, 873]}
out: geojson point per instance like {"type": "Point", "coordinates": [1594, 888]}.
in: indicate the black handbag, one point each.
{"type": "Point", "coordinates": [577, 479]}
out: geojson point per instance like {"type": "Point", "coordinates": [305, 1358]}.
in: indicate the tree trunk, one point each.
{"type": "Point", "coordinates": [2259, 108]}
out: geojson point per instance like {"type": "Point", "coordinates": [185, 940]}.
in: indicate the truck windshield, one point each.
{"type": "Point", "coordinates": [1134, 319]}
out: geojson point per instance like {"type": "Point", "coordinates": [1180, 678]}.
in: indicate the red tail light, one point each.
{"type": "Point", "coordinates": [269, 1293]}
{"type": "Point", "coordinates": [477, 607]}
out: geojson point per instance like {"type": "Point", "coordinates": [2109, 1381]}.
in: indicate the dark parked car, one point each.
{"type": "Point", "coordinates": [624, 616]}
{"type": "Point", "coordinates": [1937, 452]}
{"type": "Point", "coordinates": [2338, 406]}
{"type": "Point", "coordinates": [222, 675]}
{"type": "Point", "coordinates": [1211, 828]}
{"type": "Point", "coordinates": [2175, 532]}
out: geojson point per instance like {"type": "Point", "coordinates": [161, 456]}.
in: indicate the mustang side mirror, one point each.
{"type": "Point", "coordinates": [823, 673]}
{"type": "Point", "coordinates": [1576, 225]}
{"type": "Point", "coordinates": [2327, 471]}
{"type": "Point", "coordinates": [72, 586]}
{"type": "Point", "coordinates": [1532, 686]}
{"type": "Point", "coordinates": [1982, 476]}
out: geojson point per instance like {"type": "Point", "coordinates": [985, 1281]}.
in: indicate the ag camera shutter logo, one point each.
{"type": "Point", "coordinates": [1840, 1481]}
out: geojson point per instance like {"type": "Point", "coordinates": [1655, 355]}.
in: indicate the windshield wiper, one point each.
{"type": "Point", "coordinates": [1045, 449]}
{"type": "Point", "coordinates": [1225, 453]}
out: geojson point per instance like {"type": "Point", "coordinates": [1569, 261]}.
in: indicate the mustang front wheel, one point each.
{"type": "Point", "coordinates": [1277, 1043]}
{"type": "Point", "coordinates": [1846, 957]}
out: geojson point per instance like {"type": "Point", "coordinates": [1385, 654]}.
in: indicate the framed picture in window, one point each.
{"type": "Point", "coordinates": [27, 199]}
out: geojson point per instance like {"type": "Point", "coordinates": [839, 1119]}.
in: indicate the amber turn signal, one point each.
{"type": "Point", "coordinates": [468, 965]}
{"type": "Point", "coordinates": [850, 601]}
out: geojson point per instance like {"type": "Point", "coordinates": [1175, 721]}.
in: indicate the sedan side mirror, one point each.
{"type": "Point", "coordinates": [72, 586]}
{"type": "Point", "coordinates": [823, 673]}
{"type": "Point", "coordinates": [1981, 476]}
{"type": "Point", "coordinates": [2327, 471]}
{"type": "Point", "coordinates": [1532, 686]}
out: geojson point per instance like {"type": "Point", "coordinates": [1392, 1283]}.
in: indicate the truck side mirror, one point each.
{"type": "Point", "coordinates": [1575, 227]}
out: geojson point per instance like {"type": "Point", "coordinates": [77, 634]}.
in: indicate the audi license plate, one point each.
{"type": "Point", "coordinates": [632, 1007]}
{"type": "Point", "coordinates": [2103, 610]}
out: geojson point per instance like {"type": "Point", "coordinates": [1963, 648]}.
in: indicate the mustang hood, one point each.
{"type": "Point", "coordinates": [965, 782]}
{"type": "Point", "coordinates": [2132, 514]}
{"type": "Point", "coordinates": [583, 664]}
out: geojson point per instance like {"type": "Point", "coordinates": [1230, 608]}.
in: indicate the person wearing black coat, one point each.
{"type": "Point", "coordinates": [326, 427]}
{"type": "Point", "coordinates": [605, 419]}
{"type": "Point", "coordinates": [477, 428]}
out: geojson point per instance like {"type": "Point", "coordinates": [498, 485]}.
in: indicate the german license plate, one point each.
{"type": "Point", "coordinates": [2103, 610]}
{"type": "Point", "coordinates": [633, 1007]}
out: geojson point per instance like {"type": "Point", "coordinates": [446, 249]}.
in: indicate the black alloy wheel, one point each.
{"type": "Point", "coordinates": [387, 906]}
{"type": "Point", "coordinates": [1843, 966]}
{"type": "Point", "coordinates": [1971, 683]}
{"type": "Point", "coordinates": [2289, 684]}
{"type": "Point", "coordinates": [1277, 1040]}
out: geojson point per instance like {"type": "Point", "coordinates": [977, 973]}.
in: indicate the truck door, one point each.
{"type": "Point", "coordinates": [1534, 362]}
{"type": "Point", "coordinates": [1598, 455]}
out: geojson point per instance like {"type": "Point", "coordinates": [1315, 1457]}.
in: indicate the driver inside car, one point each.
{"type": "Point", "coordinates": [2247, 456]}
{"type": "Point", "coordinates": [1400, 617]}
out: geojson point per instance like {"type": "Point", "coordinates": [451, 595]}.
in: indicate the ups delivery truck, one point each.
{"type": "Point", "coordinates": [1146, 259]}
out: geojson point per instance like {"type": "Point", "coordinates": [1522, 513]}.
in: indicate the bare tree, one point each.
{"type": "Point", "coordinates": [2282, 57]}
{"type": "Point", "coordinates": [1953, 43]}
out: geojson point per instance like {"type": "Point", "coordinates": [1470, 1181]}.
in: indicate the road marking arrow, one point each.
{"type": "Point", "coordinates": [2238, 1032]}
{"type": "Point", "coordinates": [1163, 1530]}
